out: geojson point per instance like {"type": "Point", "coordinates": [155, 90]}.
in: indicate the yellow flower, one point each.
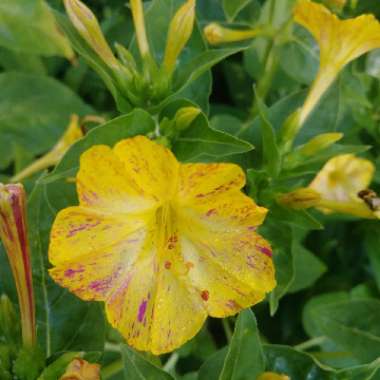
{"type": "Point", "coordinates": [163, 244]}
{"type": "Point", "coordinates": [72, 134]}
{"type": "Point", "coordinates": [272, 376]}
{"type": "Point", "coordinates": [14, 235]}
{"type": "Point", "coordinates": [340, 181]}
{"type": "Point", "coordinates": [340, 42]}
{"type": "Point", "coordinates": [80, 369]}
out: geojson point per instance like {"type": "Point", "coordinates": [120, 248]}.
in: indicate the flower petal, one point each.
{"type": "Point", "coordinates": [92, 251]}
{"type": "Point", "coordinates": [153, 309]}
{"type": "Point", "coordinates": [202, 180]}
{"type": "Point", "coordinates": [234, 269]}
{"type": "Point", "coordinates": [343, 177]}
{"type": "Point", "coordinates": [150, 165]}
{"type": "Point", "coordinates": [340, 41]}
{"type": "Point", "coordinates": [103, 183]}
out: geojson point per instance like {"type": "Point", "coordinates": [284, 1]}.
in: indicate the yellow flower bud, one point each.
{"type": "Point", "coordinates": [88, 27]}
{"type": "Point", "coordinates": [14, 235]}
{"type": "Point", "coordinates": [180, 30]}
{"type": "Point", "coordinates": [217, 34]}
{"type": "Point", "coordinates": [72, 134]}
{"type": "Point", "coordinates": [300, 199]}
{"type": "Point", "coordinates": [319, 143]}
{"type": "Point", "coordinates": [139, 22]}
{"type": "Point", "coordinates": [80, 369]}
{"type": "Point", "coordinates": [185, 116]}
{"type": "Point", "coordinates": [312, 147]}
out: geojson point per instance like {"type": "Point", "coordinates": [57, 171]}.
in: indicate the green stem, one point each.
{"type": "Point", "coordinates": [171, 363]}
{"type": "Point", "coordinates": [227, 329]}
{"type": "Point", "coordinates": [310, 343]}
{"type": "Point", "coordinates": [112, 369]}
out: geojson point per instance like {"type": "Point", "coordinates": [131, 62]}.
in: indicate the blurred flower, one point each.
{"type": "Point", "coordinates": [72, 134]}
{"type": "Point", "coordinates": [272, 376]}
{"type": "Point", "coordinates": [217, 34]}
{"type": "Point", "coordinates": [14, 235]}
{"type": "Point", "coordinates": [80, 369]}
{"type": "Point", "coordinates": [339, 187]}
{"type": "Point", "coordinates": [180, 30]}
{"type": "Point", "coordinates": [340, 42]}
{"type": "Point", "coordinates": [163, 244]}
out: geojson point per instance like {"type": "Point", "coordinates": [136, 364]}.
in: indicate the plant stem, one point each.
{"type": "Point", "coordinates": [112, 369]}
{"type": "Point", "coordinates": [310, 343]}
{"type": "Point", "coordinates": [227, 329]}
{"type": "Point", "coordinates": [171, 363]}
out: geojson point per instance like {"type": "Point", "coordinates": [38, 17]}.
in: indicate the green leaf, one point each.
{"type": "Point", "coordinates": [353, 325]}
{"type": "Point", "coordinates": [372, 248]}
{"type": "Point", "coordinates": [308, 269]}
{"type": "Point", "coordinates": [282, 240]}
{"type": "Point", "coordinates": [212, 367]}
{"type": "Point", "coordinates": [28, 26]}
{"type": "Point", "coordinates": [35, 112]}
{"type": "Point", "coordinates": [233, 7]}
{"type": "Point", "coordinates": [297, 365]}
{"type": "Point", "coordinates": [12, 60]}
{"type": "Point", "coordinates": [245, 358]}
{"type": "Point", "coordinates": [200, 142]}
{"type": "Point", "coordinates": [136, 367]}
{"type": "Point", "coordinates": [271, 153]}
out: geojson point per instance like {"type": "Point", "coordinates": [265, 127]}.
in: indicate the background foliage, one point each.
{"type": "Point", "coordinates": [322, 320]}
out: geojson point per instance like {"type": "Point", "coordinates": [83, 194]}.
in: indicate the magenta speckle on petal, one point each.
{"type": "Point", "coordinates": [142, 310]}
{"type": "Point", "coordinates": [70, 273]}
{"type": "Point", "coordinates": [266, 251]}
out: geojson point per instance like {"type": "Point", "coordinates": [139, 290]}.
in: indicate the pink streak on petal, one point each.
{"type": "Point", "coordinates": [142, 310]}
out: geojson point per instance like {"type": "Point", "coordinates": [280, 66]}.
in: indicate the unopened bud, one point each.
{"type": "Point", "coordinates": [139, 22]}
{"type": "Point", "coordinates": [14, 235]}
{"type": "Point", "coordinates": [185, 116]}
{"type": "Point", "coordinates": [217, 34]}
{"type": "Point", "coordinates": [88, 27]}
{"type": "Point", "coordinates": [300, 199]}
{"type": "Point", "coordinates": [312, 147]}
{"type": "Point", "coordinates": [80, 369]}
{"type": "Point", "coordinates": [180, 30]}
{"type": "Point", "coordinates": [319, 143]}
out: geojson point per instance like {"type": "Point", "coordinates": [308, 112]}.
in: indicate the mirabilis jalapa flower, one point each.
{"type": "Point", "coordinates": [336, 188]}
{"type": "Point", "coordinates": [340, 42]}
{"type": "Point", "coordinates": [163, 244]}
{"type": "Point", "coordinates": [14, 235]}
